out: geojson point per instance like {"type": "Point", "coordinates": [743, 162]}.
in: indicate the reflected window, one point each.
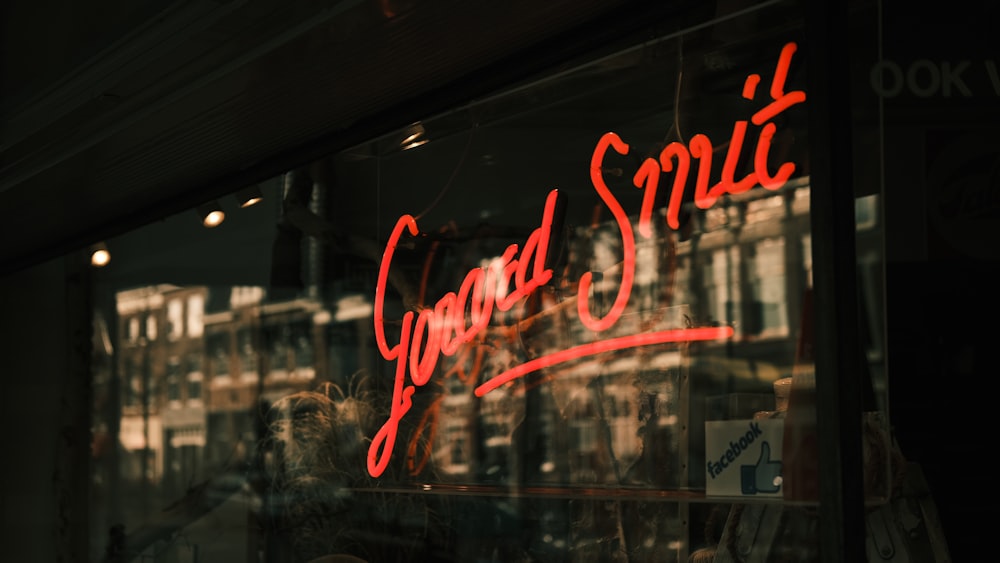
{"type": "Point", "coordinates": [194, 387]}
{"type": "Point", "coordinates": [174, 380]}
{"type": "Point", "coordinates": [244, 296]}
{"type": "Point", "coordinates": [195, 315]}
{"type": "Point", "coordinates": [133, 383]}
{"type": "Point", "coordinates": [304, 357]}
{"type": "Point", "coordinates": [279, 337]}
{"type": "Point", "coordinates": [680, 282]}
{"type": "Point", "coordinates": [716, 286]}
{"type": "Point", "coordinates": [248, 355]}
{"type": "Point", "coordinates": [765, 208]}
{"type": "Point", "coordinates": [194, 378]}
{"type": "Point", "coordinates": [866, 212]}
{"type": "Point", "coordinates": [769, 311]}
{"type": "Point", "coordinates": [583, 435]}
{"type": "Point", "coordinates": [175, 319]}
{"type": "Point", "coordinates": [221, 363]}
{"type": "Point", "coordinates": [807, 258]}
{"type": "Point", "coordinates": [133, 329]}
{"type": "Point", "coordinates": [219, 353]}
{"type": "Point", "coordinates": [151, 327]}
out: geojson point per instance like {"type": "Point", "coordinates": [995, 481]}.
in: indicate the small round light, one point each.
{"type": "Point", "coordinates": [250, 195]}
{"type": "Point", "coordinates": [413, 144]}
{"type": "Point", "coordinates": [214, 218]}
{"type": "Point", "coordinates": [100, 258]}
{"type": "Point", "coordinates": [414, 137]}
{"type": "Point", "coordinates": [211, 214]}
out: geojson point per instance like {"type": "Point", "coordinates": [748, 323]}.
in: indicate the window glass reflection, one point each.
{"type": "Point", "coordinates": [397, 386]}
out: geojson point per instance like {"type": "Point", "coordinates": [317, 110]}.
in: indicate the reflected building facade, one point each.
{"type": "Point", "coordinates": [200, 367]}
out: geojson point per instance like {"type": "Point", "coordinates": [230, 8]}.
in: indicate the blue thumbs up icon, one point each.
{"type": "Point", "coordinates": [763, 476]}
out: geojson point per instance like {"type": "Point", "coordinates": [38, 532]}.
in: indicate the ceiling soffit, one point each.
{"type": "Point", "coordinates": [205, 97]}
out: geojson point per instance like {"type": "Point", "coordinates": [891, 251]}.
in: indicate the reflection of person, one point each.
{"type": "Point", "coordinates": [320, 503]}
{"type": "Point", "coordinates": [313, 450]}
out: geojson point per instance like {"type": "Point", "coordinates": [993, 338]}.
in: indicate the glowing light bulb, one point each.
{"type": "Point", "coordinates": [214, 218]}
{"type": "Point", "coordinates": [100, 257]}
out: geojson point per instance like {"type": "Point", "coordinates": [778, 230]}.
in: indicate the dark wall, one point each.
{"type": "Point", "coordinates": [35, 347]}
{"type": "Point", "coordinates": [941, 104]}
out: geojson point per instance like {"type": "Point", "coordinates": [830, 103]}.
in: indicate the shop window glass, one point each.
{"type": "Point", "coordinates": [508, 342]}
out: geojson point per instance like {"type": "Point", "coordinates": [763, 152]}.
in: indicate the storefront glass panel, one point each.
{"type": "Point", "coordinates": [568, 322]}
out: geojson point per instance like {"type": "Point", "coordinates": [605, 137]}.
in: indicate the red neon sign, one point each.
{"type": "Point", "coordinates": [442, 329]}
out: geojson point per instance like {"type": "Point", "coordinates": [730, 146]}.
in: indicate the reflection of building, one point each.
{"type": "Point", "coordinates": [258, 352]}
{"type": "Point", "coordinates": [194, 371]}
{"type": "Point", "coordinates": [162, 428]}
{"type": "Point", "coordinates": [631, 416]}
{"type": "Point", "coordinates": [200, 365]}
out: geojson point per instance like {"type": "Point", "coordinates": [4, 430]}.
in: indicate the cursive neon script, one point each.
{"type": "Point", "coordinates": [443, 329]}
{"type": "Point", "coordinates": [700, 147]}
{"type": "Point", "coordinates": [444, 325]}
